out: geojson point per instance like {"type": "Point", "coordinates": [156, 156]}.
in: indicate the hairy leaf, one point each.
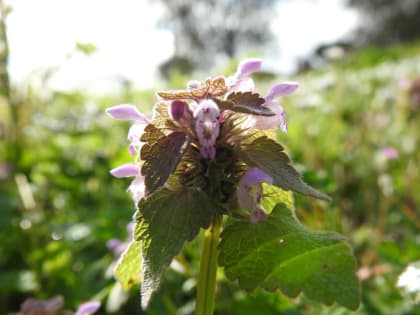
{"type": "Point", "coordinates": [269, 156]}
{"type": "Point", "coordinates": [280, 253]}
{"type": "Point", "coordinates": [245, 102]}
{"type": "Point", "coordinates": [165, 221]}
{"type": "Point", "coordinates": [128, 267]}
{"type": "Point", "coordinates": [161, 156]}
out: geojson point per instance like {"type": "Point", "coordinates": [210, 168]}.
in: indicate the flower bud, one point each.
{"type": "Point", "coordinates": [180, 112]}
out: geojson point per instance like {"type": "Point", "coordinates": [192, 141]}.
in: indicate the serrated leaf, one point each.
{"type": "Point", "coordinates": [280, 253]}
{"type": "Point", "coordinates": [269, 156]}
{"type": "Point", "coordinates": [128, 266]}
{"type": "Point", "coordinates": [245, 102]}
{"type": "Point", "coordinates": [166, 220]}
{"type": "Point", "coordinates": [160, 157]}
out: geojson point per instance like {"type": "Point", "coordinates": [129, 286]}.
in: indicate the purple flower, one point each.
{"type": "Point", "coordinates": [88, 308]}
{"type": "Point", "coordinates": [389, 153]}
{"type": "Point", "coordinates": [180, 112]}
{"type": "Point", "coordinates": [249, 191]}
{"type": "Point", "coordinates": [279, 119]}
{"type": "Point", "coordinates": [241, 82]}
{"type": "Point", "coordinates": [127, 112]}
{"type": "Point", "coordinates": [130, 112]}
{"type": "Point", "coordinates": [32, 306]}
{"type": "Point", "coordinates": [207, 127]}
{"type": "Point", "coordinates": [136, 187]}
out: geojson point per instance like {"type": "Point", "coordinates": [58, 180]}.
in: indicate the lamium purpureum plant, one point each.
{"type": "Point", "coordinates": [208, 156]}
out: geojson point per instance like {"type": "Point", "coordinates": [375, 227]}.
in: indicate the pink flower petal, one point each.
{"type": "Point", "coordinates": [253, 176]}
{"type": "Point", "coordinates": [88, 308]}
{"type": "Point", "coordinates": [176, 109]}
{"type": "Point", "coordinates": [248, 66]}
{"type": "Point", "coordinates": [134, 134]}
{"type": "Point", "coordinates": [249, 191]}
{"type": "Point", "coordinates": [137, 189]}
{"type": "Point", "coordinates": [126, 112]}
{"type": "Point", "coordinates": [281, 89]}
{"type": "Point", "coordinates": [207, 126]}
{"type": "Point", "coordinates": [126, 170]}
{"type": "Point", "coordinates": [268, 122]}
{"type": "Point", "coordinates": [243, 85]}
{"type": "Point", "coordinates": [389, 153]}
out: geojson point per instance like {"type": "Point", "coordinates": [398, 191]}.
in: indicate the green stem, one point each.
{"type": "Point", "coordinates": [206, 287]}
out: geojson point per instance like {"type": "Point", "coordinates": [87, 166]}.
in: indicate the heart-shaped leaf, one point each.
{"type": "Point", "coordinates": [165, 221]}
{"type": "Point", "coordinates": [280, 253]}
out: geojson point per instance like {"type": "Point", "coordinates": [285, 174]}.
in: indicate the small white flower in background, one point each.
{"type": "Point", "coordinates": [409, 280]}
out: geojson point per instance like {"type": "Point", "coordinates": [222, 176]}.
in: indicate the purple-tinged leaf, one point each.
{"type": "Point", "coordinates": [161, 155]}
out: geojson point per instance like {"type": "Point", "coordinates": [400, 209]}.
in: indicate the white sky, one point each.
{"type": "Point", "coordinates": [43, 32]}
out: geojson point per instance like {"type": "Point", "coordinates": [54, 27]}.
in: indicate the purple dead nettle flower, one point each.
{"type": "Point", "coordinates": [242, 82]}
{"type": "Point", "coordinates": [130, 112]}
{"type": "Point", "coordinates": [250, 192]}
{"type": "Point", "coordinates": [216, 114]}
{"type": "Point", "coordinates": [207, 126]}
{"type": "Point", "coordinates": [279, 119]}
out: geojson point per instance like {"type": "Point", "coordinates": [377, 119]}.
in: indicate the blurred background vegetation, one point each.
{"type": "Point", "coordinates": [353, 132]}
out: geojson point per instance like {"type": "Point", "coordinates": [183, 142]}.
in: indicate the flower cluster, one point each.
{"type": "Point", "coordinates": [202, 137]}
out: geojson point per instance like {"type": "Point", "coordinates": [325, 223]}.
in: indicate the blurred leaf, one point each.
{"type": "Point", "coordinates": [280, 253]}
{"type": "Point", "coordinates": [86, 48]}
{"type": "Point", "coordinates": [269, 156]}
{"type": "Point", "coordinates": [166, 220]}
{"type": "Point", "coordinates": [22, 280]}
{"type": "Point", "coordinates": [128, 266]}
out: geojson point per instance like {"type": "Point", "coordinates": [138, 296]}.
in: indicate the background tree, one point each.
{"type": "Point", "coordinates": [387, 22]}
{"type": "Point", "coordinates": [208, 31]}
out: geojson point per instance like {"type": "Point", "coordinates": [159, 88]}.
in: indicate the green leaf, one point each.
{"type": "Point", "coordinates": [272, 195]}
{"type": "Point", "coordinates": [165, 221]}
{"type": "Point", "coordinates": [127, 271]}
{"type": "Point", "coordinates": [161, 155]}
{"type": "Point", "coordinates": [245, 102]}
{"type": "Point", "coordinates": [280, 253]}
{"type": "Point", "coordinates": [269, 156]}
